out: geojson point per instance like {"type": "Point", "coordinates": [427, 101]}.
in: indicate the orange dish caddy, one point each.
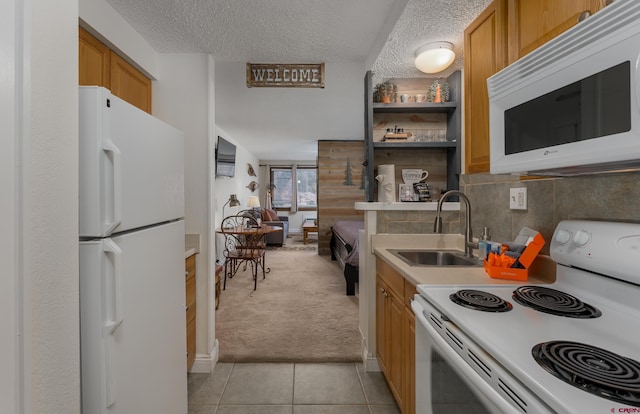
{"type": "Point", "coordinates": [526, 258]}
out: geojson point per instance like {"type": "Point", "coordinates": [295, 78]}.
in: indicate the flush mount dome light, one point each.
{"type": "Point", "coordinates": [434, 57]}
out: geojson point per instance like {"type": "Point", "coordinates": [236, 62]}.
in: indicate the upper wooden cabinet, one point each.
{"type": "Point", "coordinates": [485, 46]}
{"type": "Point", "coordinates": [129, 84]}
{"type": "Point", "coordinates": [504, 32]}
{"type": "Point", "coordinates": [100, 66]}
{"type": "Point", "coordinates": [537, 22]}
{"type": "Point", "coordinates": [95, 61]}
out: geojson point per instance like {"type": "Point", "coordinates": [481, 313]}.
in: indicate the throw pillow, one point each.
{"type": "Point", "coordinates": [273, 215]}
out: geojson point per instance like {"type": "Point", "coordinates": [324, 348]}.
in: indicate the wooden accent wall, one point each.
{"type": "Point", "coordinates": [339, 186]}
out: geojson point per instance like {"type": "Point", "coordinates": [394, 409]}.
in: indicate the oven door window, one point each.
{"type": "Point", "coordinates": [593, 107]}
{"type": "Point", "coordinates": [449, 393]}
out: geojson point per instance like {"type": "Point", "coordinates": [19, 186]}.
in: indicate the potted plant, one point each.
{"type": "Point", "coordinates": [438, 92]}
{"type": "Point", "coordinates": [386, 92]}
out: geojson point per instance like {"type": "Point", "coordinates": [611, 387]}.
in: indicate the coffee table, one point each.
{"type": "Point", "coordinates": [308, 227]}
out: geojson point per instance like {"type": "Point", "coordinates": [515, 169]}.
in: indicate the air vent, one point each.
{"type": "Point", "coordinates": [618, 16]}
{"type": "Point", "coordinates": [484, 367]}
{"type": "Point", "coordinates": [457, 341]}
{"type": "Point", "coordinates": [436, 321]}
{"type": "Point", "coordinates": [522, 405]}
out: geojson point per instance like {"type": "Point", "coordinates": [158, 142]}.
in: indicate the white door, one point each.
{"type": "Point", "coordinates": [131, 166]}
{"type": "Point", "coordinates": [132, 322]}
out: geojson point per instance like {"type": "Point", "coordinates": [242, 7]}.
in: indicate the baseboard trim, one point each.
{"type": "Point", "coordinates": [370, 362]}
{"type": "Point", "coordinates": [205, 363]}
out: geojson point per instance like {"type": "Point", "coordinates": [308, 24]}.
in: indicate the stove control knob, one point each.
{"type": "Point", "coordinates": [581, 238]}
{"type": "Point", "coordinates": [563, 236]}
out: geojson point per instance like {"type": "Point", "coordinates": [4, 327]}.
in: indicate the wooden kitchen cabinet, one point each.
{"type": "Point", "coordinates": [504, 32]}
{"type": "Point", "coordinates": [130, 84]}
{"type": "Point", "coordinates": [395, 334]}
{"type": "Point", "coordinates": [190, 285]}
{"type": "Point", "coordinates": [534, 23]}
{"type": "Point", "coordinates": [94, 60]}
{"type": "Point", "coordinates": [409, 361]}
{"type": "Point", "coordinates": [485, 54]}
{"type": "Point", "coordinates": [100, 66]}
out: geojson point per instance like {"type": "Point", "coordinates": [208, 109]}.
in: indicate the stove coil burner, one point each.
{"type": "Point", "coordinates": [592, 369]}
{"type": "Point", "coordinates": [554, 302]}
{"type": "Point", "coordinates": [479, 300]}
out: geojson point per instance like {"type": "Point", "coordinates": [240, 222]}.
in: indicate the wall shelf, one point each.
{"type": "Point", "coordinates": [389, 150]}
{"type": "Point", "coordinates": [444, 107]}
{"type": "Point", "coordinates": [413, 144]}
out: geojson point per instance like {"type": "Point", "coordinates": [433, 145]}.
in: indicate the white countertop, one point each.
{"type": "Point", "coordinates": [543, 270]}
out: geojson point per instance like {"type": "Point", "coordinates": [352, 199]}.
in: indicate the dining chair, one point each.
{"type": "Point", "coordinates": [244, 246]}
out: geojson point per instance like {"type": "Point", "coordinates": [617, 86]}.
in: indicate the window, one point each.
{"type": "Point", "coordinates": [305, 190]}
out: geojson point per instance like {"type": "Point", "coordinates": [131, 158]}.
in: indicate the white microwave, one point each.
{"type": "Point", "coordinates": [572, 106]}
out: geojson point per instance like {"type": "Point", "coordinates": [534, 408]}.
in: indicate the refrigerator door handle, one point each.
{"type": "Point", "coordinates": [112, 316]}
{"type": "Point", "coordinates": [115, 198]}
{"type": "Point", "coordinates": [113, 303]}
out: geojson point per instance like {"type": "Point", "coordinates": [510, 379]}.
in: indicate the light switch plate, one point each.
{"type": "Point", "coordinates": [518, 198]}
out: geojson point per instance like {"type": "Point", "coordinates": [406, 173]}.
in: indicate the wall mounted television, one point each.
{"type": "Point", "coordinates": [225, 158]}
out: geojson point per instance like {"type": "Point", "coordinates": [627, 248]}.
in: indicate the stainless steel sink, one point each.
{"type": "Point", "coordinates": [435, 258]}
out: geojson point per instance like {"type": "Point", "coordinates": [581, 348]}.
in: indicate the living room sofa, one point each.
{"type": "Point", "coordinates": [271, 218]}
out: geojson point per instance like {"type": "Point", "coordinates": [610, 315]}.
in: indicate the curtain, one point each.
{"type": "Point", "coordinates": [294, 190]}
{"type": "Point", "coordinates": [267, 201]}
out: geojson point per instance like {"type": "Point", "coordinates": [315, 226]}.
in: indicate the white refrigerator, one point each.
{"type": "Point", "coordinates": [132, 273]}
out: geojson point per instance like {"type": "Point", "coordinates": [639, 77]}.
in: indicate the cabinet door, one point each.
{"type": "Point", "coordinates": [130, 84]}
{"type": "Point", "coordinates": [190, 290]}
{"type": "Point", "coordinates": [396, 371]}
{"type": "Point", "coordinates": [381, 324]}
{"type": "Point", "coordinates": [94, 61]}
{"type": "Point", "coordinates": [533, 23]}
{"type": "Point", "coordinates": [410, 361]}
{"type": "Point", "coordinates": [485, 47]}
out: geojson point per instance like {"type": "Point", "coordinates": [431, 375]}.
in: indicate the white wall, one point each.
{"type": "Point", "coordinates": [102, 21]}
{"type": "Point", "coordinates": [11, 292]}
{"type": "Point", "coordinates": [51, 210]}
{"type": "Point", "coordinates": [181, 98]}
{"type": "Point", "coordinates": [238, 184]}
{"type": "Point", "coordinates": [267, 117]}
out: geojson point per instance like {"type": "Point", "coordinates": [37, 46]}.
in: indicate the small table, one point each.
{"type": "Point", "coordinates": [238, 235]}
{"type": "Point", "coordinates": [308, 227]}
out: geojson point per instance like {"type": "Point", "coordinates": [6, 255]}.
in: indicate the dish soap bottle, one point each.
{"type": "Point", "coordinates": [483, 245]}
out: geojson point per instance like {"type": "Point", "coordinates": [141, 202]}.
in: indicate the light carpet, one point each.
{"type": "Point", "coordinates": [299, 313]}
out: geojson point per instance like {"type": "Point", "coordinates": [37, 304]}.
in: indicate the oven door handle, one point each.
{"type": "Point", "coordinates": [473, 378]}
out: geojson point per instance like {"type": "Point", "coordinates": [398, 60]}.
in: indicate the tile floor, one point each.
{"type": "Point", "coordinates": [300, 388]}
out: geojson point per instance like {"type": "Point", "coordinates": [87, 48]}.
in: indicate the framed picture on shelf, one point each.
{"type": "Point", "coordinates": [405, 192]}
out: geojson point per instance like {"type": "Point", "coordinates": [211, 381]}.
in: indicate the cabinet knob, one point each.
{"type": "Point", "coordinates": [584, 15]}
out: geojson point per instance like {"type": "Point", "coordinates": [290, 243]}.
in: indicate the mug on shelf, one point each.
{"type": "Point", "coordinates": [414, 175]}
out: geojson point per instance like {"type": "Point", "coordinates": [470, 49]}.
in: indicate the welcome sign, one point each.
{"type": "Point", "coordinates": [305, 75]}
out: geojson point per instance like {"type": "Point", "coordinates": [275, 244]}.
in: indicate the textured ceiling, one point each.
{"type": "Point", "coordinates": [260, 30]}
{"type": "Point", "coordinates": [425, 21]}
{"type": "Point", "coordinates": [304, 31]}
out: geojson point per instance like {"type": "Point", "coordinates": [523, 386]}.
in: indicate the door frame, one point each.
{"type": "Point", "coordinates": [14, 138]}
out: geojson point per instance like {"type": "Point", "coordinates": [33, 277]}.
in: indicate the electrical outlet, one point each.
{"type": "Point", "coordinates": [518, 198]}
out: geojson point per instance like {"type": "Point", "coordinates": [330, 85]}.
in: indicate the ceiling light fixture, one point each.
{"type": "Point", "coordinates": [434, 57]}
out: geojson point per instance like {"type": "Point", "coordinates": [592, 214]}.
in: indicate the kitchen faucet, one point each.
{"type": "Point", "coordinates": [469, 245]}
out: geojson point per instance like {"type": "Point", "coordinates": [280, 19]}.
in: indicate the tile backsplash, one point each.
{"type": "Point", "coordinates": [613, 197]}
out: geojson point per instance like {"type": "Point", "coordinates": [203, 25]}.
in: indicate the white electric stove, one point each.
{"type": "Point", "coordinates": [572, 346]}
